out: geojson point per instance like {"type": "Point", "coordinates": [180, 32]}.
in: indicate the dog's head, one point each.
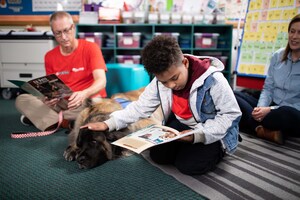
{"type": "Point", "coordinates": [93, 149]}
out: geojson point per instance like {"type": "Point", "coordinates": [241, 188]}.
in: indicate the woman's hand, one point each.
{"type": "Point", "coordinates": [96, 126]}
{"type": "Point", "coordinates": [259, 113]}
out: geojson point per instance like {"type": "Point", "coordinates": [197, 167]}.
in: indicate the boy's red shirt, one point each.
{"type": "Point", "coordinates": [180, 105]}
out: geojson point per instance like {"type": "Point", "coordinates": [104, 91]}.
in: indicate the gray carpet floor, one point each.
{"type": "Point", "coordinates": [258, 170]}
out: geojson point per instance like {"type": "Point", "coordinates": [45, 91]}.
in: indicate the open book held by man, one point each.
{"type": "Point", "coordinates": [49, 87]}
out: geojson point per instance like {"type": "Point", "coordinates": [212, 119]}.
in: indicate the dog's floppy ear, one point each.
{"type": "Point", "coordinates": [100, 137]}
{"type": "Point", "coordinates": [83, 135]}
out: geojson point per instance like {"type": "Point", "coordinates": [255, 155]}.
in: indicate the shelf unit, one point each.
{"type": "Point", "coordinates": [186, 31]}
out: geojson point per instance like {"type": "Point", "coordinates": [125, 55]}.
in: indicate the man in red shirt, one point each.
{"type": "Point", "coordinates": [78, 63]}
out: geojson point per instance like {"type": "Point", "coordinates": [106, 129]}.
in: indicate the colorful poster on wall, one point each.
{"type": "Point", "coordinates": [38, 7]}
{"type": "Point", "coordinates": [52, 5]}
{"type": "Point", "coordinates": [265, 31]}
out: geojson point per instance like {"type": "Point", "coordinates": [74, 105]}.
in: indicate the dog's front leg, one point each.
{"type": "Point", "coordinates": [70, 153]}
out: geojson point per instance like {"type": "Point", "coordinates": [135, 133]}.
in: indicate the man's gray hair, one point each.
{"type": "Point", "coordinates": [60, 14]}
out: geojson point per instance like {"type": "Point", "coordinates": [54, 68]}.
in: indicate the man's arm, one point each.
{"type": "Point", "coordinates": [99, 83]}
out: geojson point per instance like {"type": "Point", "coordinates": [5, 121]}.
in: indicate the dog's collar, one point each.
{"type": "Point", "coordinates": [123, 102]}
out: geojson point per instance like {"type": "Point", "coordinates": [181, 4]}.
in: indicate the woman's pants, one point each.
{"type": "Point", "coordinates": [285, 118]}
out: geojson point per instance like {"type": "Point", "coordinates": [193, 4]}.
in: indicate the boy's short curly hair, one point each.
{"type": "Point", "coordinates": [161, 53]}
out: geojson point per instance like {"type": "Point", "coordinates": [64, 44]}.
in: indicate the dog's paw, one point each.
{"type": "Point", "coordinates": [70, 153]}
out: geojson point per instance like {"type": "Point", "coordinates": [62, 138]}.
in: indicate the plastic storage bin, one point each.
{"type": "Point", "coordinates": [125, 77]}
{"type": "Point", "coordinates": [146, 39]}
{"type": "Point", "coordinates": [127, 17]}
{"type": "Point", "coordinates": [88, 17]}
{"type": "Point", "coordinates": [198, 19]}
{"type": "Point", "coordinates": [175, 18]}
{"type": "Point", "coordinates": [187, 19]}
{"type": "Point", "coordinates": [129, 40]}
{"type": "Point", "coordinates": [208, 19]}
{"type": "Point", "coordinates": [139, 17]}
{"type": "Point", "coordinates": [164, 18]}
{"type": "Point", "coordinates": [109, 40]}
{"type": "Point", "coordinates": [222, 42]}
{"type": "Point", "coordinates": [92, 37]}
{"type": "Point", "coordinates": [129, 59]}
{"type": "Point", "coordinates": [185, 41]}
{"type": "Point", "coordinates": [206, 40]}
{"type": "Point", "coordinates": [153, 18]}
{"type": "Point", "coordinates": [91, 7]}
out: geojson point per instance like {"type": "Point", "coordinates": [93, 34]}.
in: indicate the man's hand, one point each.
{"type": "Point", "coordinates": [50, 102]}
{"type": "Point", "coordinates": [76, 99]}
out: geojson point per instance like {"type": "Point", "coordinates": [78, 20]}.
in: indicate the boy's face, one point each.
{"type": "Point", "coordinates": [175, 77]}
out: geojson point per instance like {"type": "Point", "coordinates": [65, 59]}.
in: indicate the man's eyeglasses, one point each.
{"type": "Point", "coordinates": [65, 32]}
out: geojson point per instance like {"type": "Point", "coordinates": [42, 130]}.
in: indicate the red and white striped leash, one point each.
{"type": "Point", "coordinates": [17, 135]}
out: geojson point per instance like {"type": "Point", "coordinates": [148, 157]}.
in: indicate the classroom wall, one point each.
{"type": "Point", "coordinates": [40, 21]}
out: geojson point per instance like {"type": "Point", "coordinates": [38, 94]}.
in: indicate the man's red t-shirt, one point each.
{"type": "Point", "coordinates": [76, 70]}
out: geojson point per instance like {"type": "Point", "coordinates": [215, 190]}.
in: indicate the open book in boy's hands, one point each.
{"type": "Point", "coordinates": [49, 86]}
{"type": "Point", "coordinates": [148, 137]}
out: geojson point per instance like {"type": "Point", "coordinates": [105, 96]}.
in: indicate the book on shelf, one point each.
{"type": "Point", "coordinates": [49, 86]}
{"type": "Point", "coordinates": [148, 137]}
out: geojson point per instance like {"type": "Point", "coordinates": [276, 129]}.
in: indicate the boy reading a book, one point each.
{"type": "Point", "coordinates": [194, 95]}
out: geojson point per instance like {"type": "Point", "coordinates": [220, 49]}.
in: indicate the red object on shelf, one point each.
{"type": "Point", "coordinates": [250, 82]}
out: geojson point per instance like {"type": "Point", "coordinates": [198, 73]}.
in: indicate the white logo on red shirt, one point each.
{"type": "Point", "coordinates": [77, 69]}
{"type": "Point", "coordinates": [62, 73]}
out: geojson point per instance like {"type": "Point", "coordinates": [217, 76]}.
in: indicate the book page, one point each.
{"type": "Point", "coordinates": [134, 144]}
{"type": "Point", "coordinates": [149, 137]}
{"type": "Point", "coordinates": [27, 87]}
{"type": "Point", "coordinates": [51, 86]}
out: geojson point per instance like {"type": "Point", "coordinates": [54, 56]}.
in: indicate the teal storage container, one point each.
{"type": "Point", "coordinates": [125, 77]}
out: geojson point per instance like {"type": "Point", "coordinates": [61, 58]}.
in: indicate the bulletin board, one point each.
{"type": "Point", "coordinates": [265, 31]}
{"type": "Point", "coordinates": [20, 12]}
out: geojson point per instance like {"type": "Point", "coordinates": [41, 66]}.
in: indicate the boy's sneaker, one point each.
{"type": "Point", "coordinates": [25, 121]}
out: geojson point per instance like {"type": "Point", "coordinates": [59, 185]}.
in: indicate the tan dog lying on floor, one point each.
{"type": "Point", "coordinates": [92, 148]}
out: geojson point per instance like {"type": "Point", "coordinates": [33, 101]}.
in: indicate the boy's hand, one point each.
{"type": "Point", "coordinates": [96, 126]}
{"type": "Point", "coordinates": [188, 138]}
